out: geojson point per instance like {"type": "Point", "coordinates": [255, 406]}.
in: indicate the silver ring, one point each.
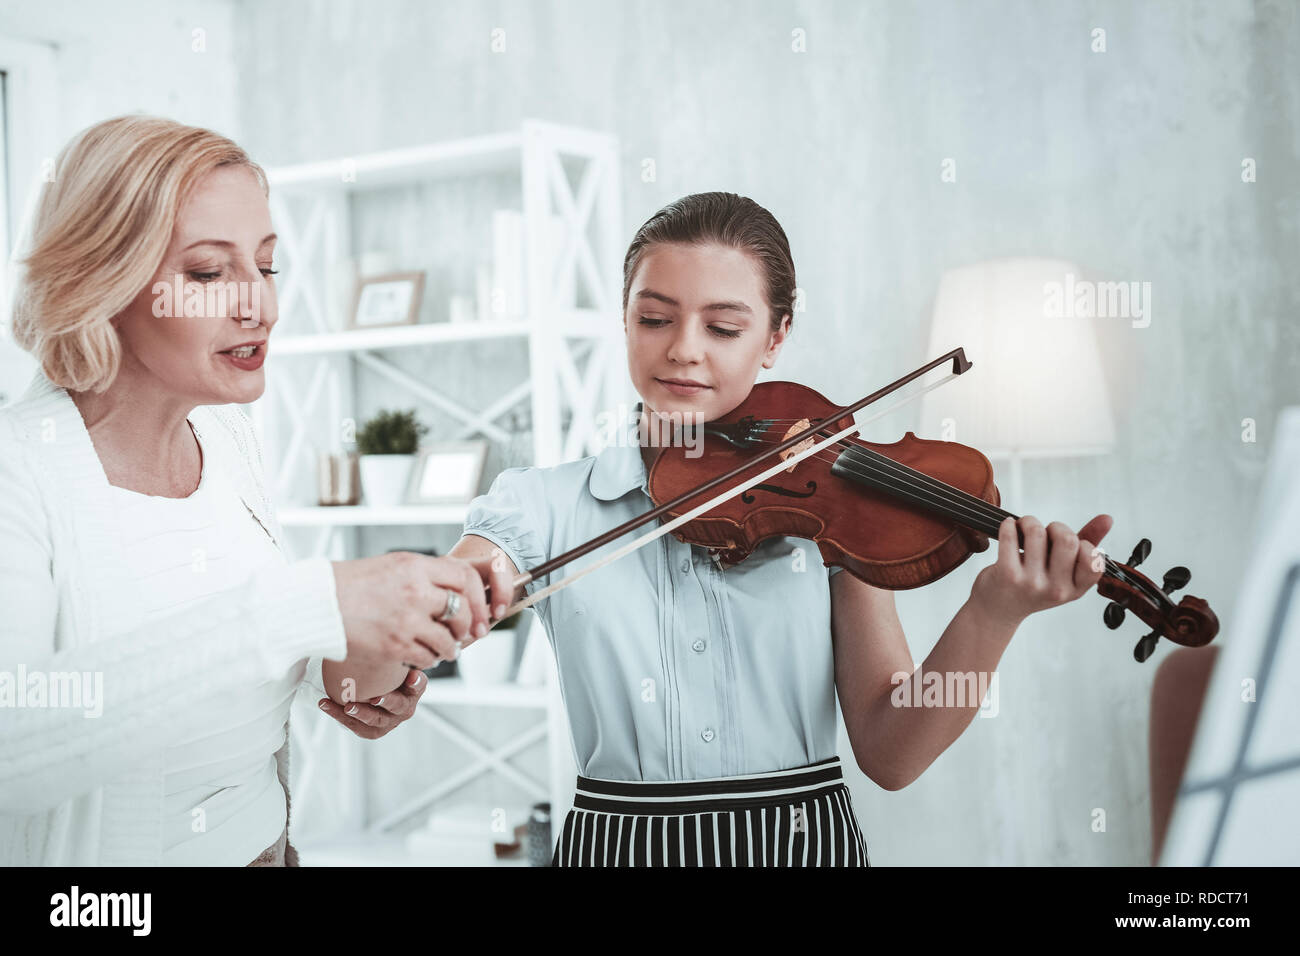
{"type": "Point", "coordinates": [452, 608]}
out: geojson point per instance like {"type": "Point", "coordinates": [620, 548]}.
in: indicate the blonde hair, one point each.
{"type": "Point", "coordinates": [99, 234]}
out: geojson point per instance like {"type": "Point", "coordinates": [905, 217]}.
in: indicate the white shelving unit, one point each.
{"type": "Point", "coordinates": [316, 363]}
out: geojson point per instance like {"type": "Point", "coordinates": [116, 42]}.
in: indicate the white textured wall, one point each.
{"type": "Point", "coordinates": [135, 56]}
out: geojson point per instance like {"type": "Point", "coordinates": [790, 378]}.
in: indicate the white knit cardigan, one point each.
{"type": "Point", "coordinates": [79, 790]}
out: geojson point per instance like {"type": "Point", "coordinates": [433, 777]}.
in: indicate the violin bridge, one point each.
{"type": "Point", "coordinates": [800, 426]}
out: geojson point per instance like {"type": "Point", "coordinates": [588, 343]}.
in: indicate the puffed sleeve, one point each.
{"type": "Point", "coordinates": [515, 516]}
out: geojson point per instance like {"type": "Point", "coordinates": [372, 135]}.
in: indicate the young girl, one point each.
{"type": "Point", "coordinates": [702, 698]}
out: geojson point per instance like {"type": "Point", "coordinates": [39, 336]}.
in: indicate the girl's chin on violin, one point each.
{"type": "Point", "coordinates": [681, 386]}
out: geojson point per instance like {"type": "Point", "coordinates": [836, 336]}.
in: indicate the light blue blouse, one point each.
{"type": "Point", "coordinates": [670, 667]}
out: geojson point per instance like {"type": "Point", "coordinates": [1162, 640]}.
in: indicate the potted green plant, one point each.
{"type": "Point", "coordinates": [388, 443]}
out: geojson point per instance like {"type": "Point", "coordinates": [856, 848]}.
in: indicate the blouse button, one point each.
{"type": "Point", "coordinates": [707, 735]}
{"type": "Point", "coordinates": [698, 646]}
{"type": "Point", "coordinates": [686, 565]}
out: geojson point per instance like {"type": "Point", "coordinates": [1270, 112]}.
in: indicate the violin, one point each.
{"type": "Point", "coordinates": [896, 516]}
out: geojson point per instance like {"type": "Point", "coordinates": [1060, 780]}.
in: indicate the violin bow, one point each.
{"type": "Point", "coordinates": [960, 365]}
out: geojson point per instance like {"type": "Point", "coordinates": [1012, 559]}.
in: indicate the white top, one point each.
{"type": "Point", "coordinates": [83, 785]}
{"type": "Point", "coordinates": [222, 802]}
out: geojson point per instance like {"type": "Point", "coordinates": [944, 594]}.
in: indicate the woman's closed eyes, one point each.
{"type": "Point", "coordinates": [212, 276]}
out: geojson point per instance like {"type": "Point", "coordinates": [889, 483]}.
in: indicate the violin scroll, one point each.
{"type": "Point", "coordinates": [1190, 622]}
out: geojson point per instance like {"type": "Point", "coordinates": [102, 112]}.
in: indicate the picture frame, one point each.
{"type": "Point", "coordinates": [447, 473]}
{"type": "Point", "coordinates": [383, 301]}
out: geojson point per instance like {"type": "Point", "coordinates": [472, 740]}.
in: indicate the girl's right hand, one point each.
{"type": "Point", "coordinates": [389, 604]}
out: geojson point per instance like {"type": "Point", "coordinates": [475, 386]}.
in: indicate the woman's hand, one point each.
{"type": "Point", "coordinates": [376, 717]}
{"type": "Point", "coordinates": [1058, 566]}
{"type": "Point", "coordinates": [391, 605]}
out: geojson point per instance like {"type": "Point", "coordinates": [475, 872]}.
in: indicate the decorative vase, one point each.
{"type": "Point", "coordinates": [338, 480]}
{"type": "Point", "coordinates": [384, 479]}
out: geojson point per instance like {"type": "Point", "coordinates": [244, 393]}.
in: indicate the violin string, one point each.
{"type": "Point", "coordinates": [956, 495]}
{"type": "Point", "coordinates": [947, 493]}
{"type": "Point", "coordinates": [955, 501]}
{"type": "Point", "coordinates": [959, 504]}
{"type": "Point", "coordinates": [945, 497]}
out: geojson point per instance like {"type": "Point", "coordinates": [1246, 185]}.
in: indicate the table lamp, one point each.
{"type": "Point", "coordinates": [1036, 388]}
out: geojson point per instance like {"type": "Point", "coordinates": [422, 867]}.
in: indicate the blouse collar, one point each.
{"type": "Point", "coordinates": [619, 468]}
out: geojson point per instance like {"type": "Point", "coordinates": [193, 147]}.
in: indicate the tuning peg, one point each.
{"type": "Point", "coordinates": [1145, 646]}
{"type": "Point", "coordinates": [1176, 578]}
{"type": "Point", "coordinates": [1113, 615]}
{"type": "Point", "coordinates": [1139, 553]}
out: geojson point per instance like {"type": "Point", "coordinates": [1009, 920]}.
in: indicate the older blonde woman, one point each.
{"type": "Point", "coordinates": [153, 633]}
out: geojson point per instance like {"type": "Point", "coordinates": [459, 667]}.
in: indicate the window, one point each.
{"type": "Point", "coordinates": [27, 122]}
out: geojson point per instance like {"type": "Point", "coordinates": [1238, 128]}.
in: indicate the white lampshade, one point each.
{"type": "Point", "coordinates": [1036, 387]}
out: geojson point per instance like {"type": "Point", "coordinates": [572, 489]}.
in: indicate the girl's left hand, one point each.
{"type": "Point", "coordinates": [376, 717]}
{"type": "Point", "coordinates": [1058, 566]}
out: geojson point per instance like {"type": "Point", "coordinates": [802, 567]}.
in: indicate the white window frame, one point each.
{"type": "Point", "coordinates": [31, 111]}
{"type": "Point", "coordinates": [32, 95]}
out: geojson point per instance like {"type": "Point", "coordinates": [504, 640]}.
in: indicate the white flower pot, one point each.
{"type": "Point", "coordinates": [489, 659]}
{"type": "Point", "coordinates": [384, 479]}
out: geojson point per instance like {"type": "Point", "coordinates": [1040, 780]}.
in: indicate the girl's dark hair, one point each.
{"type": "Point", "coordinates": [729, 220]}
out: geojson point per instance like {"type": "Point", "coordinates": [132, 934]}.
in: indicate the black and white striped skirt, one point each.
{"type": "Point", "coordinates": [798, 817]}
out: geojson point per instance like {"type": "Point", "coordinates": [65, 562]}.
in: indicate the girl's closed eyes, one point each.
{"type": "Point", "coordinates": [716, 330]}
